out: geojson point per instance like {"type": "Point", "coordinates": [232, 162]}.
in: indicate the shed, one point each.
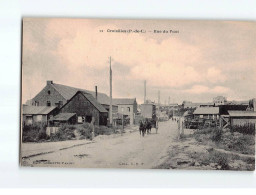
{"type": "Point", "coordinates": [64, 118]}
{"type": "Point", "coordinates": [34, 114]}
{"type": "Point", "coordinates": [242, 117]}
{"type": "Point", "coordinates": [207, 112]}
{"type": "Point", "coordinates": [86, 107]}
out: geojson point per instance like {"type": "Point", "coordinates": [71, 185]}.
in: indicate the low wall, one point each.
{"type": "Point", "coordinates": [51, 130]}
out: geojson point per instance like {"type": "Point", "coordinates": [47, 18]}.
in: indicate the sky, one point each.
{"type": "Point", "coordinates": [203, 60]}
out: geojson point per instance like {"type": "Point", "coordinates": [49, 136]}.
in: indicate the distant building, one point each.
{"type": "Point", "coordinates": [189, 104]}
{"type": "Point", "coordinates": [207, 112]}
{"type": "Point", "coordinates": [219, 100]}
{"type": "Point", "coordinates": [37, 114]}
{"type": "Point", "coordinates": [127, 107]}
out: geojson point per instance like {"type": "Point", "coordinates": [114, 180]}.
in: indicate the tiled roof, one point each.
{"type": "Point", "coordinates": [62, 117]}
{"type": "Point", "coordinates": [68, 92]}
{"type": "Point", "coordinates": [122, 101]}
{"type": "Point", "coordinates": [94, 102]}
{"type": "Point", "coordinates": [33, 110]}
{"type": "Point", "coordinates": [233, 113]}
{"type": "Point", "coordinates": [207, 110]}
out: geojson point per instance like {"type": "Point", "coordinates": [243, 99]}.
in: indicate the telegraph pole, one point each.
{"type": "Point", "coordinates": [110, 83]}
{"type": "Point", "coordinates": [145, 91]}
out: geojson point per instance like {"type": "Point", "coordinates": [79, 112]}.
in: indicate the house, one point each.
{"type": "Point", "coordinates": [207, 113]}
{"type": "Point", "coordinates": [127, 107]}
{"type": "Point", "coordinates": [54, 94]}
{"type": "Point", "coordinates": [219, 100]}
{"type": "Point", "coordinates": [35, 114]}
{"type": "Point", "coordinates": [242, 117]}
{"type": "Point", "coordinates": [86, 107]}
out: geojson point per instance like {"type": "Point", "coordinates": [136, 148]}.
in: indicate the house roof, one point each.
{"type": "Point", "coordinates": [63, 117]}
{"type": "Point", "coordinates": [233, 113]}
{"type": "Point", "coordinates": [124, 101]}
{"type": "Point", "coordinates": [94, 102]}
{"type": "Point", "coordinates": [68, 92]}
{"type": "Point", "coordinates": [34, 110]}
{"type": "Point", "coordinates": [187, 113]}
{"type": "Point", "coordinates": [207, 110]}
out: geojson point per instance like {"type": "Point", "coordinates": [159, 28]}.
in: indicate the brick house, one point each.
{"type": "Point", "coordinates": [127, 107]}
{"type": "Point", "coordinates": [86, 107]}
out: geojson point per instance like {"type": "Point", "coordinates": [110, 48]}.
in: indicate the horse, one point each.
{"type": "Point", "coordinates": [142, 128]}
{"type": "Point", "coordinates": [148, 126]}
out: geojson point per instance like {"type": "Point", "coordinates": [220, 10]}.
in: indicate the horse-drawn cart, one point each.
{"type": "Point", "coordinates": [148, 112]}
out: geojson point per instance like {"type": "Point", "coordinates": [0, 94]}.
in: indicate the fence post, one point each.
{"type": "Point", "coordinates": [93, 128]}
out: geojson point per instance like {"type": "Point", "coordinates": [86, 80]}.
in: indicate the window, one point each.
{"type": "Point", "coordinates": [36, 103]}
{"type": "Point", "coordinates": [80, 119]}
{"type": "Point", "coordinates": [48, 103]}
{"type": "Point", "coordinates": [88, 119]}
{"type": "Point", "coordinates": [49, 92]}
{"type": "Point", "coordinates": [128, 109]}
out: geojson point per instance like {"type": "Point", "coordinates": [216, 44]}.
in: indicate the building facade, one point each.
{"type": "Point", "coordinates": [37, 114]}
{"type": "Point", "coordinates": [86, 108]}
{"type": "Point", "coordinates": [219, 100]}
{"type": "Point", "coordinates": [127, 107]}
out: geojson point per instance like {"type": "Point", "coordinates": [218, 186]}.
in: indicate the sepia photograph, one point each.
{"type": "Point", "coordinates": [138, 94]}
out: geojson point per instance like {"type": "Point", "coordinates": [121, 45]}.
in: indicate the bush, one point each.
{"type": "Point", "coordinates": [85, 131]}
{"type": "Point", "coordinates": [216, 134]}
{"type": "Point", "coordinates": [103, 130]}
{"type": "Point", "coordinates": [34, 132]}
{"type": "Point", "coordinates": [220, 158]}
{"type": "Point", "coordinates": [243, 143]}
{"type": "Point", "coordinates": [248, 128]}
{"type": "Point", "coordinates": [65, 132]}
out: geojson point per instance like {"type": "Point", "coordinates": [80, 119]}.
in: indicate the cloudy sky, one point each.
{"type": "Point", "coordinates": [205, 59]}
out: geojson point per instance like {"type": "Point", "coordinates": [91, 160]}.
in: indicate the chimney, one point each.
{"type": "Point", "coordinates": [49, 82]}
{"type": "Point", "coordinates": [96, 93]}
{"type": "Point", "coordinates": [145, 91]}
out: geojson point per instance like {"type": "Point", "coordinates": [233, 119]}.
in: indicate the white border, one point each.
{"type": "Point", "coordinates": [11, 13]}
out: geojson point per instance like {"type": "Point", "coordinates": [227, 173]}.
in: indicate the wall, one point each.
{"type": "Point", "coordinates": [242, 121]}
{"type": "Point", "coordinates": [127, 110]}
{"type": "Point", "coordinates": [82, 107]}
{"type": "Point", "coordinates": [54, 97]}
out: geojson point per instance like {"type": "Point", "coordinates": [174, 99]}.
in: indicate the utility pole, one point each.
{"type": "Point", "coordinates": [158, 97]}
{"type": "Point", "coordinates": [110, 83]}
{"type": "Point", "coordinates": [145, 91]}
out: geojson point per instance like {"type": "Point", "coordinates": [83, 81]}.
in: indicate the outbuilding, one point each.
{"type": "Point", "coordinates": [37, 114]}
{"type": "Point", "coordinates": [207, 113]}
{"type": "Point", "coordinates": [242, 117]}
{"type": "Point", "coordinates": [86, 107]}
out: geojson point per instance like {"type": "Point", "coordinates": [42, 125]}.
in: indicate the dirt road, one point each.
{"type": "Point", "coordinates": [128, 151]}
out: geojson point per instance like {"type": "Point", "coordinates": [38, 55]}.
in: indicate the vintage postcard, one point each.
{"type": "Point", "coordinates": [140, 94]}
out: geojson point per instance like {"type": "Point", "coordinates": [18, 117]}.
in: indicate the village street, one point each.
{"type": "Point", "coordinates": [127, 151]}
